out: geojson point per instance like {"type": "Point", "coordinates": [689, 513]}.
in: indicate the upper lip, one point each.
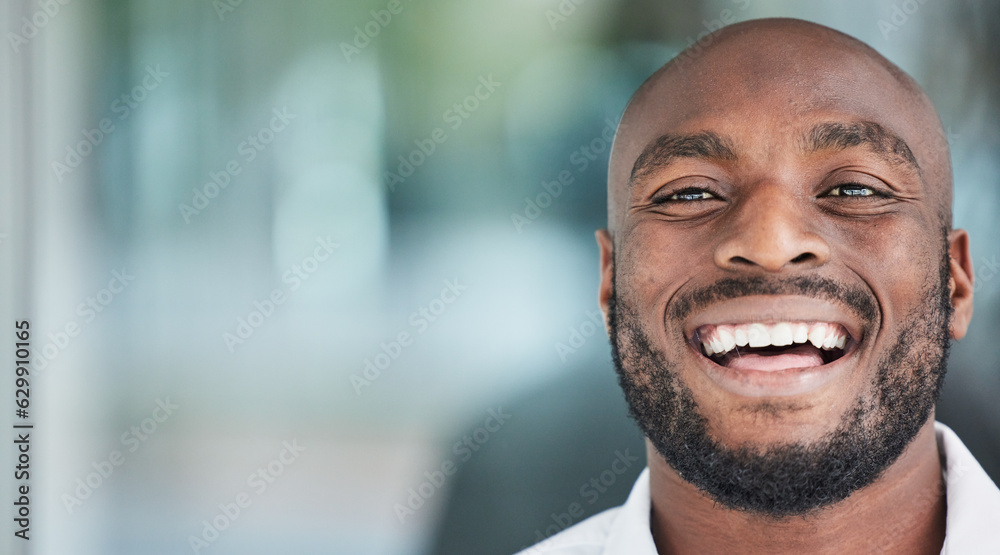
{"type": "Point", "coordinates": [770, 309]}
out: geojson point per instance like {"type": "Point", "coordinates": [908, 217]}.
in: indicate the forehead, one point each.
{"type": "Point", "coordinates": [765, 105]}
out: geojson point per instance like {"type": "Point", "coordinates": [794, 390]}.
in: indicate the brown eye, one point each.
{"type": "Point", "coordinates": [853, 190]}
{"type": "Point", "coordinates": [690, 195]}
{"type": "Point", "coordinates": [687, 201]}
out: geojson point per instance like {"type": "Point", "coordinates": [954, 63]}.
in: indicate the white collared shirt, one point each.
{"type": "Point", "coordinates": [972, 526]}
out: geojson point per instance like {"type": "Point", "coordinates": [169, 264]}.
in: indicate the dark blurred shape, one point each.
{"type": "Point", "coordinates": [565, 439]}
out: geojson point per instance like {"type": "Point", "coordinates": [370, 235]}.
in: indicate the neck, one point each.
{"type": "Point", "coordinates": [901, 512]}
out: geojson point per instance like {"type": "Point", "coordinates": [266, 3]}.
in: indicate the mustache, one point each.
{"type": "Point", "coordinates": [858, 300]}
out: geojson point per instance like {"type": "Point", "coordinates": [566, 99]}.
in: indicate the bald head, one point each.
{"type": "Point", "coordinates": [780, 81]}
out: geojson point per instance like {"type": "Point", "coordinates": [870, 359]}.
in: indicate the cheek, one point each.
{"type": "Point", "coordinates": [898, 257]}
{"type": "Point", "coordinates": [653, 262]}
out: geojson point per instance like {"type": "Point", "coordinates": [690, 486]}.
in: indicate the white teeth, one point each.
{"type": "Point", "coordinates": [758, 336]}
{"type": "Point", "coordinates": [717, 340]}
{"type": "Point", "coordinates": [801, 333]}
{"type": "Point", "coordinates": [717, 345]}
{"type": "Point", "coordinates": [740, 334]}
{"type": "Point", "coordinates": [831, 338]}
{"type": "Point", "coordinates": [781, 334]}
{"type": "Point", "coordinates": [817, 334]}
{"type": "Point", "coordinates": [726, 337]}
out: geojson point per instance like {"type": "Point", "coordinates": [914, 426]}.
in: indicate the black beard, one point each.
{"type": "Point", "coordinates": [794, 478]}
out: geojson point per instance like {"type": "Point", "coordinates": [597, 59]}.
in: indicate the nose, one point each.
{"type": "Point", "coordinates": [771, 232]}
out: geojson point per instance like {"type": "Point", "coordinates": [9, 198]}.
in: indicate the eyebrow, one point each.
{"type": "Point", "coordinates": [712, 147]}
{"type": "Point", "coordinates": [866, 134]}
{"type": "Point", "coordinates": [667, 148]}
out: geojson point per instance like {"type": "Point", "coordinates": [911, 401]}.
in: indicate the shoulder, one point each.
{"type": "Point", "coordinates": [587, 537]}
{"type": "Point", "coordinates": [973, 499]}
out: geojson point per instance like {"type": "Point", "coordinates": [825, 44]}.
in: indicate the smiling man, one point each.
{"type": "Point", "coordinates": [780, 280]}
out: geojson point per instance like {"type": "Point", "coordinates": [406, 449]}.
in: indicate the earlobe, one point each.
{"type": "Point", "coordinates": [961, 282]}
{"type": "Point", "coordinates": [605, 246]}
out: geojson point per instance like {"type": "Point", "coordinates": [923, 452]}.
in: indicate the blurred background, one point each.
{"type": "Point", "coordinates": [320, 277]}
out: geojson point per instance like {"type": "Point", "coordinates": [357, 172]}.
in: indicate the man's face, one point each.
{"type": "Point", "coordinates": [778, 284]}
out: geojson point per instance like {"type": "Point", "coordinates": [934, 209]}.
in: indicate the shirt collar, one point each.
{"type": "Point", "coordinates": [973, 521]}
{"type": "Point", "coordinates": [630, 533]}
{"type": "Point", "coordinates": [972, 525]}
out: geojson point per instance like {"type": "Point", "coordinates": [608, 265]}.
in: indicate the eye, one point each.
{"type": "Point", "coordinates": [687, 199]}
{"type": "Point", "coordinates": [854, 190]}
{"type": "Point", "coordinates": [691, 195]}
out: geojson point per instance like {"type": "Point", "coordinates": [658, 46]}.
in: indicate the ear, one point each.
{"type": "Point", "coordinates": [961, 282]}
{"type": "Point", "coordinates": [606, 248]}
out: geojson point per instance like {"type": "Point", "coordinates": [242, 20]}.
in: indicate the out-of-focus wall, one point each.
{"type": "Point", "coordinates": [298, 258]}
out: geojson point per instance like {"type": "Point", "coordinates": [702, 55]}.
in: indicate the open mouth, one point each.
{"type": "Point", "coordinates": [773, 346]}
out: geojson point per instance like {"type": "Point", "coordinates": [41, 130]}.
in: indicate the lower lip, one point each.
{"type": "Point", "coordinates": [774, 383]}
